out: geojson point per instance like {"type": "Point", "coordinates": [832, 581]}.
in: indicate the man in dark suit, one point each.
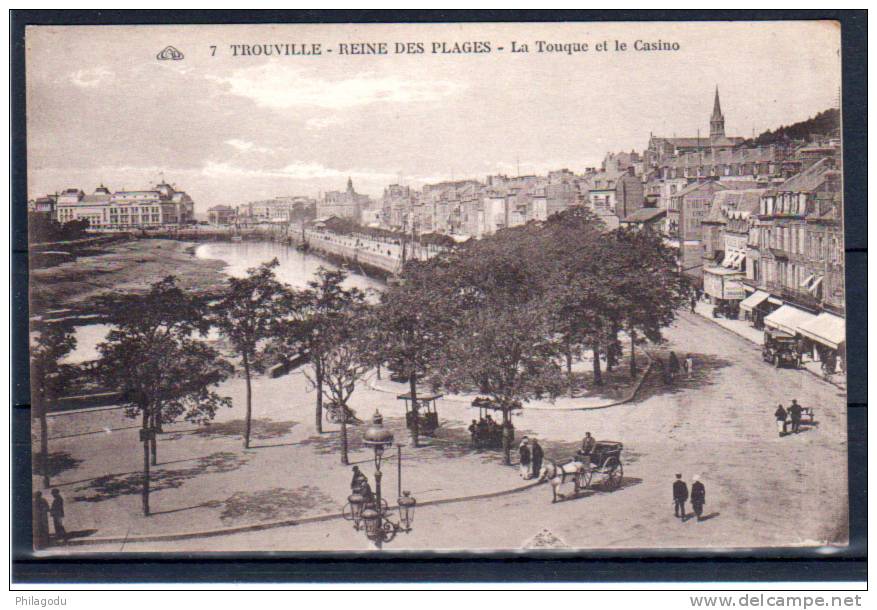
{"type": "Point", "coordinates": [57, 512]}
{"type": "Point", "coordinates": [537, 455]}
{"type": "Point", "coordinates": [680, 495]}
{"type": "Point", "coordinates": [795, 411]}
{"type": "Point", "coordinates": [698, 497]}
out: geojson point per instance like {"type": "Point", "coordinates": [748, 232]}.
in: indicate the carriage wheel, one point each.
{"type": "Point", "coordinates": [614, 473]}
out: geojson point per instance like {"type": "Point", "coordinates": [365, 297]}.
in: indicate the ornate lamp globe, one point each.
{"type": "Point", "coordinates": [406, 510]}
{"type": "Point", "coordinates": [356, 501]}
{"type": "Point", "coordinates": [372, 523]}
{"type": "Point", "coordinates": [378, 437]}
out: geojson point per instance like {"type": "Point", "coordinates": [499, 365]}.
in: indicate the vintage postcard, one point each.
{"type": "Point", "coordinates": [436, 287]}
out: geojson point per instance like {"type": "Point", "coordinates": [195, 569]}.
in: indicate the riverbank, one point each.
{"type": "Point", "coordinates": [126, 266]}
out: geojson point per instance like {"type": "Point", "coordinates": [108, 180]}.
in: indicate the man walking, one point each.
{"type": "Point", "coordinates": [689, 365]}
{"type": "Point", "coordinates": [57, 511]}
{"type": "Point", "coordinates": [538, 454]}
{"type": "Point", "coordinates": [698, 497]}
{"type": "Point", "coordinates": [524, 453]}
{"type": "Point", "coordinates": [795, 411]}
{"type": "Point", "coordinates": [40, 521]}
{"type": "Point", "coordinates": [780, 415]}
{"type": "Point", "coordinates": [674, 366]}
{"type": "Point", "coordinates": [680, 495]}
{"type": "Point", "coordinates": [693, 301]}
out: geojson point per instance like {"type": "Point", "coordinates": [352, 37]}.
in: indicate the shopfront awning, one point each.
{"type": "Point", "coordinates": [788, 319]}
{"type": "Point", "coordinates": [753, 300]}
{"type": "Point", "coordinates": [826, 329]}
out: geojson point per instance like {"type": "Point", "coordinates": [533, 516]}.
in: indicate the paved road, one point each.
{"type": "Point", "coordinates": [761, 490]}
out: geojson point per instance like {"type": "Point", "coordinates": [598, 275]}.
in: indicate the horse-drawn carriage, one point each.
{"type": "Point", "coordinates": [603, 462]}
{"type": "Point", "coordinates": [427, 415]}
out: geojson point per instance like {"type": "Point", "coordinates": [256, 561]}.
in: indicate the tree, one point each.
{"type": "Point", "coordinates": [503, 343]}
{"type": "Point", "coordinates": [507, 353]}
{"type": "Point", "coordinates": [412, 324]}
{"type": "Point", "coordinates": [346, 354]}
{"type": "Point", "coordinates": [572, 251]}
{"type": "Point", "coordinates": [316, 308]}
{"type": "Point", "coordinates": [162, 371]}
{"type": "Point", "coordinates": [246, 315]}
{"type": "Point", "coordinates": [643, 275]}
{"type": "Point", "coordinates": [48, 378]}
{"type": "Point", "coordinates": [165, 310]}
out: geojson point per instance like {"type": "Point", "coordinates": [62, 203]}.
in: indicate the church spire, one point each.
{"type": "Point", "coordinates": [717, 121]}
{"type": "Point", "coordinates": [717, 107]}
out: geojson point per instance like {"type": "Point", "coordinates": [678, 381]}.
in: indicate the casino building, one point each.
{"type": "Point", "coordinates": [122, 210]}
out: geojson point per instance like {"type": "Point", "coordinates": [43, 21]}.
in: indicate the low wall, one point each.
{"type": "Point", "coordinates": [346, 248]}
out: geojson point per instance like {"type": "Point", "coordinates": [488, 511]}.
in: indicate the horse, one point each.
{"type": "Point", "coordinates": [558, 473]}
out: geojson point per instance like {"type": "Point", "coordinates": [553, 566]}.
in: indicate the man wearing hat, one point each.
{"type": "Point", "coordinates": [795, 411]}
{"type": "Point", "coordinates": [524, 453]}
{"type": "Point", "coordinates": [680, 495]}
{"type": "Point", "coordinates": [698, 496]}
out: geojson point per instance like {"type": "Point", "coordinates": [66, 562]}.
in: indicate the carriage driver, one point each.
{"type": "Point", "coordinates": [588, 445]}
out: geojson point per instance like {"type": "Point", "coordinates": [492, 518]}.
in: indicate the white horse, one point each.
{"type": "Point", "coordinates": [558, 473]}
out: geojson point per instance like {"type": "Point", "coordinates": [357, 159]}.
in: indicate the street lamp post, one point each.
{"type": "Point", "coordinates": [379, 528]}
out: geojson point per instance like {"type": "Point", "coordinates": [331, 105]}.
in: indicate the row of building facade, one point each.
{"type": "Point", "coordinates": [104, 210]}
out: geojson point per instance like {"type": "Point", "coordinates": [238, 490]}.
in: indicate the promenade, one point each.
{"type": "Point", "coordinates": [717, 424]}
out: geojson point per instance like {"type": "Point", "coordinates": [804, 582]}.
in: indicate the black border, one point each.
{"type": "Point", "coordinates": [765, 567]}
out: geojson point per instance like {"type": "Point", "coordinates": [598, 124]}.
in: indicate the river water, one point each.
{"type": "Point", "coordinates": [296, 269]}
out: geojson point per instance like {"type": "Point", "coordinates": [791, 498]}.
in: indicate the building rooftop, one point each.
{"type": "Point", "coordinates": [644, 215]}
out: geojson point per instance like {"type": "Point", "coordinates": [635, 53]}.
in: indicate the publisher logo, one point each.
{"type": "Point", "coordinates": [169, 52]}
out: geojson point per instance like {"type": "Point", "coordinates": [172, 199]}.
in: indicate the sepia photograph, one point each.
{"type": "Point", "coordinates": [436, 287]}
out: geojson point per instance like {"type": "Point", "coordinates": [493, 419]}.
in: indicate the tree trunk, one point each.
{"type": "Point", "coordinates": [506, 445]}
{"type": "Point", "coordinates": [44, 446]}
{"type": "Point", "coordinates": [632, 353]}
{"type": "Point", "coordinates": [598, 375]}
{"type": "Point", "coordinates": [344, 458]}
{"type": "Point", "coordinates": [248, 421]}
{"type": "Point", "coordinates": [145, 492]}
{"type": "Point", "coordinates": [415, 423]}
{"type": "Point", "coordinates": [153, 441]}
{"type": "Point", "coordinates": [569, 370]}
{"type": "Point", "coordinates": [318, 416]}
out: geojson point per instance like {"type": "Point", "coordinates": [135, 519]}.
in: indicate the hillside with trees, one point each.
{"type": "Point", "coordinates": [825, 123]}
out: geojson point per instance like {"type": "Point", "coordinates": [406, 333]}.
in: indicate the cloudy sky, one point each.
{"type": "Point", "coordinates": [102, 108]}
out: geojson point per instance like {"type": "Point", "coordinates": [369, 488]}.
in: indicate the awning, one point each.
{"type": "Point", "coordinates": [788, 319]}
{"type": "Point", "coordinates": [753, 300]}
{"type": "Point", "coordinates": [807, 281]}
{"type": "Point", "coordinates": [825, 328]}
{"type": "Point", "coordinates": [815, 285]}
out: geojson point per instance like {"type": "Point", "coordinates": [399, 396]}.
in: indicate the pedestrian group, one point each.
{"type": "Point", "coordinates": [681, 495]}
{"type": "Point", "coordinates": [41, 512]}
{"type": "Point", "coordinates": [788, 417]}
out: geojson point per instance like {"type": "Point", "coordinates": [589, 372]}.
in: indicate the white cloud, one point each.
{"type": "Point", "coordinates": [245, 146]}
{"type": "Point", "coordinates": [91, 77]}
{"type": "Point", "coordinates": [293, 171]}
{"type": "Point", "coordinates": [279, 87]}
